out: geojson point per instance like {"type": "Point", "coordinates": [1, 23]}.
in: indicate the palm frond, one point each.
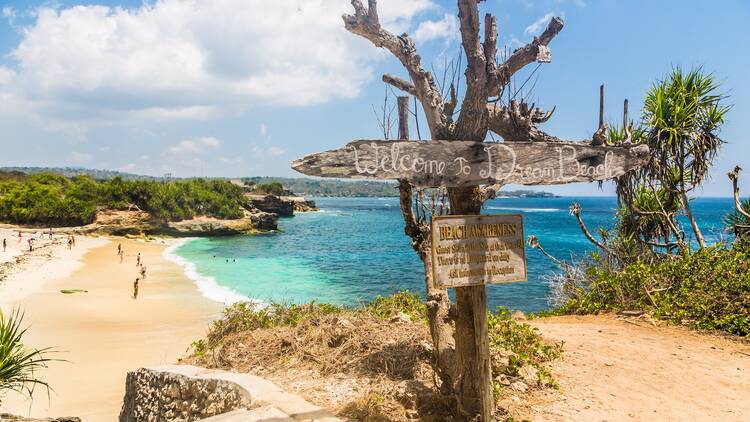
{"type": "Point", "coordinates": [18, 364]}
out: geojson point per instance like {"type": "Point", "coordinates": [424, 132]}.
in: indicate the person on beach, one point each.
{"type": "Point", "coordinates": [31, 244]}
{"type": "Point", "coordinates": [143, 272]}
{"type": "Point", "coordinates": [5, 244]}
{"type": "Point", "coordinates": [20, 237]}
{"type": "Point", "coordinates": [119, 248]}
{"type": "Point", "coordinates": [138, 260]}
{"type": "Point", "coordinates": [122, 254]}
{"type": "Point", "coordinates": [70, 242]}
{"type": "Point", "coordinates": [135, 288]}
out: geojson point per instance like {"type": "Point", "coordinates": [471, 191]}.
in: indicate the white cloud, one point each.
{"type": "Point", "coordinates": [259, 151]}
{"type": "Point", "coordinates": [232, 161]}
{"type": "Point", "coordinates": [263, 130]}
{"type": "Point", "coordinates": [194, 146]}
{"type": "Point", "coordinates": [178, 59]}
{"type": "Point", "coordinates": [79, 157]}
{"type": "Point", "coordinates": [538, 26]}
{"type": "Point", "coordinates": [446, 28]}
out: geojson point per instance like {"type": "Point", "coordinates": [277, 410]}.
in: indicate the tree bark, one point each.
{"type": "Point", "coordinates": [693, 223]}
{"type": "Point", "coordinates": [438, 303]}
{"type": "Point", "coordinates": [473, 379]}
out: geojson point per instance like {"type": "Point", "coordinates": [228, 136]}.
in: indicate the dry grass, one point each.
{"type": "Point", "coordinates": [371, 363]}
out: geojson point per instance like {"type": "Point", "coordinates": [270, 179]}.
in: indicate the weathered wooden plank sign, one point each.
{"type": "Point", "coordinates": [470, 250]}
{"type": "Point", "coordinates": [460, 163]}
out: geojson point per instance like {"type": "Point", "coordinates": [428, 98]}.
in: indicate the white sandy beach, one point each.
{"type": "Point", "coordinates": [103, 333]}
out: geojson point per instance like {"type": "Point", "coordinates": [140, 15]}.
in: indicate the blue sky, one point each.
{"type": "Point", "coordinates": [242, 87]}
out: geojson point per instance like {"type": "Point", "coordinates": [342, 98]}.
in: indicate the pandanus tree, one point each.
{"type": "Point", "coordinates": [459, 362]}
{"type": "Point", "coordinates": [682, 117]}
{"type": "Point", "coordinates": [19, 365]}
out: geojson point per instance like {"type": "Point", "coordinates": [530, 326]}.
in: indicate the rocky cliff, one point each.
{"type": "Point", "coordinates": [134, 222]}
{"type": "Point", "coordinates": [284, 206]}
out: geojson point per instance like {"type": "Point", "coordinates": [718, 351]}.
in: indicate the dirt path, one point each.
{"type": "Point", "coordinates": [616, 370]}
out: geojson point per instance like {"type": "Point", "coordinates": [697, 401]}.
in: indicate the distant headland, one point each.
{"type": "Point", "coordinates": [301, 186]}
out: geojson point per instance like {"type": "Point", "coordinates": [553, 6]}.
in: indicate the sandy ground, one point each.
{"type": "Point", "coordinates": [617, 370]}
{"type": "Point", "coordinates": [103, 333]}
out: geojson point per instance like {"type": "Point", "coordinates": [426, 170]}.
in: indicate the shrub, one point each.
{"type": "Point", "coordinates": [708, 289]}
{"type": "Point", "coordinates": [52, 200]}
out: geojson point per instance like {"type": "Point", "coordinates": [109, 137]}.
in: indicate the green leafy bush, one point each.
{"type": "Point", "coordinates": [521, 344]}
{"type": "Point", "coordinates": [405, 301]}
{"type": "Point", "coordinates": [708, 288]}
{"type": "Point", "coordinates": [51, 200]}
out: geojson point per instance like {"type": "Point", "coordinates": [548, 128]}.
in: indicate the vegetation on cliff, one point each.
{"type": "Point", "coordinates": [52, 200]}
{"type": "Point", "coordinates": [378, 355]}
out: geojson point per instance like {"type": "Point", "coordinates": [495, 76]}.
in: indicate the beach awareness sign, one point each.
{"type": "Point", "coordinates": [461, 163]}
{"type": "Point", "coordinates": [470, 250]}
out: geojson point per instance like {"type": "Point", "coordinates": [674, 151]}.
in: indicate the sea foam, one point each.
{"type": "Point", "coordinates": [525, 209]}
{"type": "Point", "coordinates": [206, 285]}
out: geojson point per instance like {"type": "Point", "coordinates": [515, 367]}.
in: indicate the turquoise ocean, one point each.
{"type": "Point", "coordinates": [355, 249]}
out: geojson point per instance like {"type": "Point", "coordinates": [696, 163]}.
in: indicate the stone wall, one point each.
{"type": "Point", "coordinates": [189, 393]}
{"type": "Point", "coordinates": [166, 396]}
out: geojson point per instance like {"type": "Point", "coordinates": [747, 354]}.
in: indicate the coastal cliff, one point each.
{"type": "Point", "coordinates": [284, 206]}
{"type": "Point", "coordinates": [135, 222]}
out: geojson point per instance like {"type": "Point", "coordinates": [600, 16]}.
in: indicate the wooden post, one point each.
{"type": "Point", "coordinates": [403, 117]}
{"type": "Point", "coordinates": [601, 105]}
{"type": "Point", "coordinates": [474, 382]}
{"type": "Point", "coordinates": [473, 367]}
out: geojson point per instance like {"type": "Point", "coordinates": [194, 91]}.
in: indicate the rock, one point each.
{"type": "Point", "coordinates": [630, 313]}
{"type": "Point", "coordinates": [529, 374]}
{"type": "Point", "coordinates": [206, 226]}
{"type": "Point", "coordinates": [7, 417]}
{"type": "Point", "coordinates": [519, 386]}
{"type": "Point", "coordinates": [303, 205]}
{"type": "Point", "coordinates": [262, 220]}
{"type": "Point", "coordinates": [500, 363]}
{"type": "Point", "coordinates": [400, 318]}
{"type": "Point", "coordinates": [503, 379]}
{"type": "Point", "coordinates": [119, 223]}
{"type": "Point", "coordinates": [518, 316]}
{"type": "Point", "coordinates": [136, 223]}
{"type": "Point", "coordinates": [271, 203]}
{"type": "Point", "coordinates": [174, 397]}
{"type": "Point", "coordinates": [345, 323]}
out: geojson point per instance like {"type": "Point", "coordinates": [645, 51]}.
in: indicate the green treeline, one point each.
{"type": "Point", "coordinates": [52, 200]}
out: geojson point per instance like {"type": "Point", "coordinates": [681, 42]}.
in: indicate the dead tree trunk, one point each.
{"type": "Point", "coordinates": [438, 303]}
{"type": "Point", "coordinates": [468, 373]}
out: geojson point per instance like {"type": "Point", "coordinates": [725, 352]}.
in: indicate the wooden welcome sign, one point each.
{"type": "Point", "coordinates": [461, 163]}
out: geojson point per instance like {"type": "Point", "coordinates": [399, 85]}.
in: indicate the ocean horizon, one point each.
{"type": "Point", "coordinates": [354, 249]}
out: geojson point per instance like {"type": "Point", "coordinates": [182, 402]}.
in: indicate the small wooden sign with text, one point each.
{"type": "Point", "coordinates": [471, 250]}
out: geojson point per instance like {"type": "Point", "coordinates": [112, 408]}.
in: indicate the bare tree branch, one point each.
{"type": "Point", "coordinates": [535, 51]}
{"type": "Point", "coordinates": [399, 83]}
{"type": "Point", "coordinates": [575, 209]}
{"type": "Point", "coordinates": [517, 122]}
{"type": "Point", "coordinates": [490, 43]}
{"type": "Point", "coordinates": [471, 122]}
{"type": "Point", "coordinates": [365, 23]}
{"type": "Point", "coordinates": [734, 176]}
